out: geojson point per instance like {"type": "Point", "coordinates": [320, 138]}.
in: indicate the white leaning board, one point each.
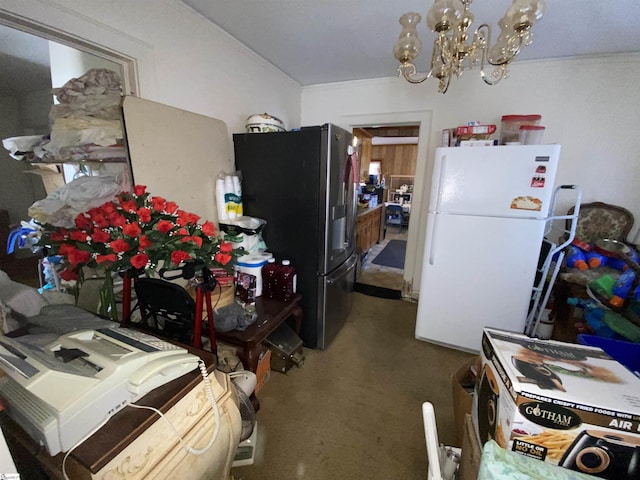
{"type": "Point", "coordinates": [177, 154]}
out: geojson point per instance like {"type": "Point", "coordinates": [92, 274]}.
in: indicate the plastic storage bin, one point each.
{"type": "Point", "coordinates": [626, 353]}
{"type": "Point", "coordinates": [531, 134]}
{"type": "Point", "coordinates": [510, 126]}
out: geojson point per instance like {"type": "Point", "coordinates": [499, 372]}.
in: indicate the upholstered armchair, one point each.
{"type": "Point", "coordinates": [596, 221]}
{"type": "Point", "coordinates": [599, 220]}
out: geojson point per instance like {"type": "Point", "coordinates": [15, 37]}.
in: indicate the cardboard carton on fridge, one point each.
{"type": "Point", "coordinates": [566, 404]}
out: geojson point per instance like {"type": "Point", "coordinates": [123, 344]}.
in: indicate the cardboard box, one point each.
{"type": "Point", "coordinates": [471, 452]}
{"type": "Point", "coordinates": [246, 289]}
{"type": "Point", "coordinates": [462, 385]}
{"type": "Point", "coordinates": [224, 278]}
{"type": "Point", "coordinates": [476, 143]}
{"type": "Point", "coordinates": [566, 404]}
{"type": "Point", "coordinates": [263, 370]}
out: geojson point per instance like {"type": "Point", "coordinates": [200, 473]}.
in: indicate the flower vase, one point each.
{"type": "Point", "coordinates": [108, 307]}
{"type": "Point", "coordinates": [127, 277]}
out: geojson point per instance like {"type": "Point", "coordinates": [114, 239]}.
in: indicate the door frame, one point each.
{"type": "Point", "coordinates": [72, 29]}
{"type": "Point", "coordinates": [417, 226]}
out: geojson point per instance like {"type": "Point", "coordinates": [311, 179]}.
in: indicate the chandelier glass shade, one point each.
{"type": "Point", "coordinates": [455, 51]}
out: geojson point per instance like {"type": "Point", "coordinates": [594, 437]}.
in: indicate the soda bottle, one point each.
{"type": "Point", "coordinates": [595, 260]}
{"type": "Point", "coordinates": [269, 273]}
{"type": "Point", "coordinates": [286, 281]}
{"type": "Point", "coordinates": [621, 288]}
{"type": "Point", "coordinates": [576, 258]}
{"type": "Point", "coordinates": [620, 264]}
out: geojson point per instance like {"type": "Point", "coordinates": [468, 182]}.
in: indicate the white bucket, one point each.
{"type": "Point", "coordinates": [252, 264]}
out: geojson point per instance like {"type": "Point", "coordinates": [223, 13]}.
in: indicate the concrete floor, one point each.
{"type": "Point", "coordinates": [353, 411]}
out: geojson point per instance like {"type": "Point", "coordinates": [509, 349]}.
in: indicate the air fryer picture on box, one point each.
{"type": "Point", "coordinates": [570, 405]}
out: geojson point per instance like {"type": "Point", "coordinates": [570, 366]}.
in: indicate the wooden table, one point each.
{"type": "Point", "coordinates": [271, 314]}
{"type": "Point", "coordinates": [136, 443]}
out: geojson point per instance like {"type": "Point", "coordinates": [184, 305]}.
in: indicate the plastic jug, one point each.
{"type": "Point", "coordinates": [576, 259]}
{"type": "Point", "coordinates": [286, 280]}
{"type": "Point", "coordinates": [269, 272]}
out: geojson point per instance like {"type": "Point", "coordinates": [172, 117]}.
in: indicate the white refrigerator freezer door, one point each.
{"type": "Point", "coordinates": [477, 272]}
{"type": "Point", "coordinates": [513, 181]}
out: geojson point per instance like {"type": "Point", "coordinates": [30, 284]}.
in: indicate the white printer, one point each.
{"type": "Point", "coordinates": [59, 393]}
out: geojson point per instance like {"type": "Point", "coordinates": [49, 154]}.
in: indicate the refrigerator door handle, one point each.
{"type": "Point", "coordinates": [431, 236]}
{"type": "Point", "coordinates": [441, 169]}
{"type": "Point", "coordinates": [439, 172]}
{"type": "Point", "coordinates": [339, 273]}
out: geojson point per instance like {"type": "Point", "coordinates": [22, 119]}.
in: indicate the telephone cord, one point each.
{"type": "Point", "coordinates": [214, 406]}
{"type": "Point", "coordinates": [64, 460]}
{"type": "Point", "coordinates": [192, 450]}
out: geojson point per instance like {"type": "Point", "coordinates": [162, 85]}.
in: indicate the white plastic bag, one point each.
{"type": "Point", "coordinates": [245, 233]}
{"type": "Point", "coordinates": [61, 206]}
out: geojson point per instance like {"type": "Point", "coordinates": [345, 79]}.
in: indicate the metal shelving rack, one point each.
{"type": "Point", "coordinates": [551, 257]}
{"type": "Point", "coordinates": [394, 182]}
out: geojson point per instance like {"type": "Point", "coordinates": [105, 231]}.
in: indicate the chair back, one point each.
{"type": "Point", "coordinates": [166, 309]}
{"type": "Point", "coordinates": [393, 214]}
{"type": "Point", "coordinates": [598, 220]}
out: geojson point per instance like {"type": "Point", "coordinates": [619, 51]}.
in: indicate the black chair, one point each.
{"type": "Point", "coordinates": [166, 309]}
{"type": "Point", "coordinates": [394, 216]}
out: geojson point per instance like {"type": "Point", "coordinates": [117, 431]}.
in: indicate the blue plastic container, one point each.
{"type": "Point", "coordinates": [626, 353]}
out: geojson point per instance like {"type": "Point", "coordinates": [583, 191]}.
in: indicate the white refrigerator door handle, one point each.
{"type": "Point", "coordinates": [439, 173]}
{"type": "Point", "coordinates": [440, 167]}
{"type": "Point", "coordinates": [431, 236]}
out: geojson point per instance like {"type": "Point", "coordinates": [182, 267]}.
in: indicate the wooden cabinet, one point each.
{"type": "Point", "coordinates": [369, 228]}
{"type": "Point", "coordinates": [137, 444]}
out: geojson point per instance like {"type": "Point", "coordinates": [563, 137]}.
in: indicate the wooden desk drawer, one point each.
{"type": "Point", "coordinates": [157, 452]}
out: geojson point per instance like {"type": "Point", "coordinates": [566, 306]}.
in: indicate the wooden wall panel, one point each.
{"type": "Point", "coordinates": [365, 159]}
{"type": "Point", "coordinates": [396, 159]}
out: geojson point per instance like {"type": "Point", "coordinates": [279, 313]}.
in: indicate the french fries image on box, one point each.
{"type": "Point", "coordinates": [555, 442]}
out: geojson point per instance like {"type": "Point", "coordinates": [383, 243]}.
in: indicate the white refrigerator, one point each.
{"type": "Point", "coordinates": [487, 216]}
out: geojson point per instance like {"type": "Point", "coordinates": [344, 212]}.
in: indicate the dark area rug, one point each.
{"type": "Point", "coordinates": [392, 255]}
{"type": "Point", "coordinates": [375, 291]}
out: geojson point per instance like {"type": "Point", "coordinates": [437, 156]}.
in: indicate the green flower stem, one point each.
{"type": "Point", "coordinates": [108, 306]}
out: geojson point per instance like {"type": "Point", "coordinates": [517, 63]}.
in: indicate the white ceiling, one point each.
{"type": "Point", "coordinates": [322, 41]}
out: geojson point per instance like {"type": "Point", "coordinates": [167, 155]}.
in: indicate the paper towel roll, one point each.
{"type": "Point", "coordinates": [220, 202]}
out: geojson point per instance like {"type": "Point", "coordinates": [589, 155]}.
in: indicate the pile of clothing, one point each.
{"type": "Point", "coordinates": [88, 114]}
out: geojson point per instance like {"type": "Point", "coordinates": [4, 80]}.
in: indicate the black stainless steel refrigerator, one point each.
{"type": "Point", "coordinates": [303, 183]}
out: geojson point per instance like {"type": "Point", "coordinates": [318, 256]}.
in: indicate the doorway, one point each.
{"type": "Point", "coordinates": [31, 64]}
{"type": "Point", "coordinates": [388, 159]}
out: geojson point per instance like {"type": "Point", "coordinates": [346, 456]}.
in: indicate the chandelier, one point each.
{"type": "Point", "coordinates": [453, 52]}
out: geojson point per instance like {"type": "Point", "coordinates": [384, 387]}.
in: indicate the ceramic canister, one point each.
{"type": "Point", "coordinates": [264, 123]}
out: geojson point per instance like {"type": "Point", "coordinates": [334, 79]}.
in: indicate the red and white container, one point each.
{"type": "Point", "coordinates": [510, 126]}
{"type": "Point", "coordinates": [531, 134]}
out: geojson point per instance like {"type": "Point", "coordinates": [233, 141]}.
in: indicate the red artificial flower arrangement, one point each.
{"type": "Point", "coordinates": [136, 232]}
